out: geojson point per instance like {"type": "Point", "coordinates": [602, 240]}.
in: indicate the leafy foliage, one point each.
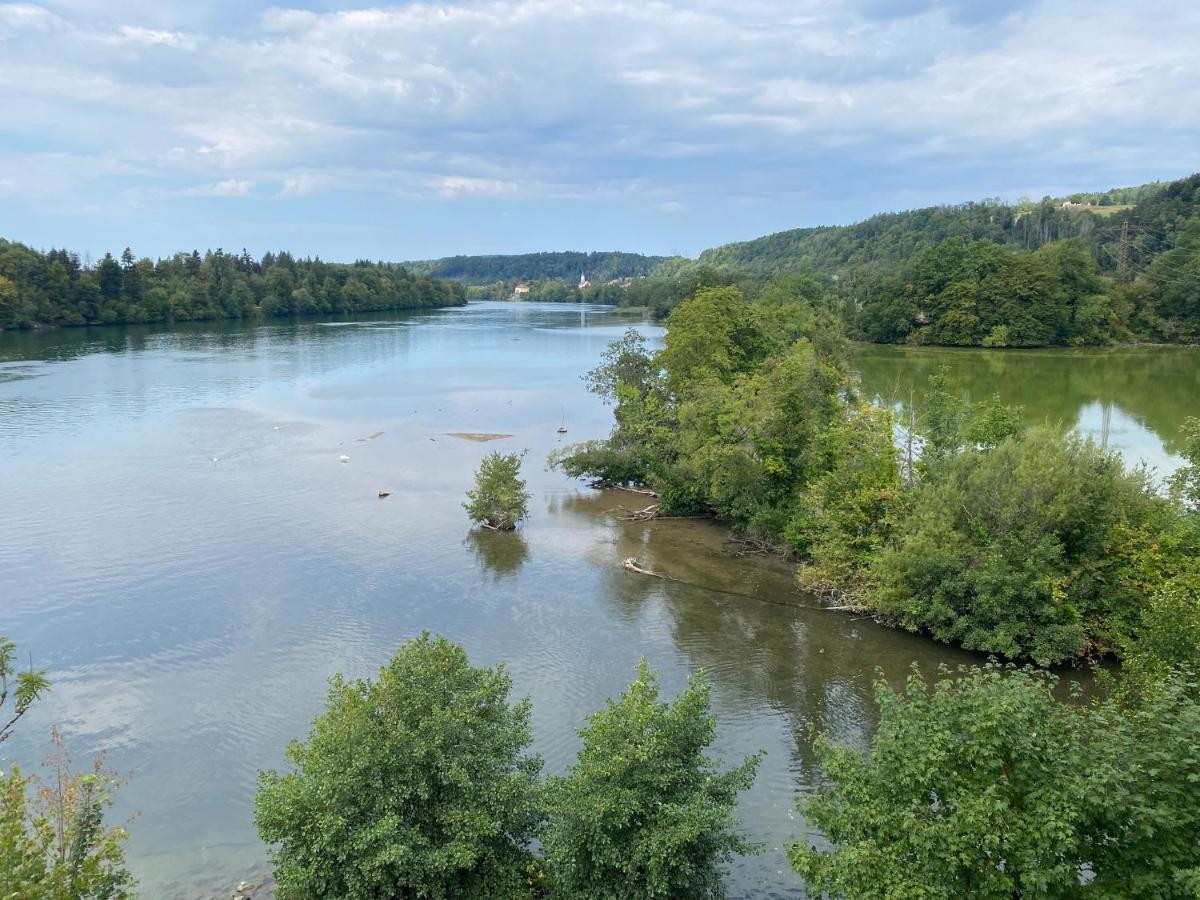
{"type": "Point", "coordinates": [499, 499]}
{"type": "Point", "coordinates": [417, 784]}
{"type": "Point", "coordinates": [644, 813]}
{"type": "Point", "coordinates": [55, 288]}
{"type": "Point", "coordinates": [1016, 550]}
{"type": "Point", "coordinates": [987, 786]}
{"type": "Point", "coordinates": [962, 795]}
{"type": "Point", "coordinates": [25, 688]}
{"type": "Point", "coordinates": [53, 841]}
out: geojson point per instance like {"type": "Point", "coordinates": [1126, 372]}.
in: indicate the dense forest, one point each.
{"type": "Point", "coordinates": [1097, 269]}
{"type": "Point", "coordinates": [1093, 269]}
{"type": "Point", "coordinates": [57, 288]}
{"type": "Point", "coordinates": [563, 267]}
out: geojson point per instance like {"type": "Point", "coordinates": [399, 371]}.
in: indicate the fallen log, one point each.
{"type": "Point", "coordinates": [644, 491]}
{"type": "Point", "coordinates": [635, 515]}
{"type": "Point", "coordinates": [631, 565]}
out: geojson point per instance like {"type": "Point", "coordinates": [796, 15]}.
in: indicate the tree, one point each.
{"type": "Point", "coordinates": [499, 499]}
{"type": "Point", "coordinates": [711, 336]}
{"type": "Point", "coordinates": [644, 813]}
{"type": "Point", "coordinates": [987, 786]}
{"type": "Point", "coordinates": [25, 687]}
{"type": "Point", "coordinates": [417, 785]}
{"type": "Point", "coordinates": [53, 841]}
{"type": "Point", "coordinates": [972, 789]}
{"type": "Point", "coordinates": [625, 361]}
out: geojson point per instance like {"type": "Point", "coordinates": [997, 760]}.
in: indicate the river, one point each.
{"type": "Point", "coordinates": [182, 548]}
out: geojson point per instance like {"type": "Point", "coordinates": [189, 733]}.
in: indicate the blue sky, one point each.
{"type": "Point", "coordinates": [504, 126]}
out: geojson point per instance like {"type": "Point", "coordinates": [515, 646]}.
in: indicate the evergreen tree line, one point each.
{"type": "Point", "coordinates": [56, 288]}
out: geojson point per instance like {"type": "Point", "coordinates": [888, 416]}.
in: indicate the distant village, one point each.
{"type": "Point", "coordinates": [523, 289]}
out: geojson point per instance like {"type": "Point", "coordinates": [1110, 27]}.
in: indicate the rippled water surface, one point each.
{"type": "Point", "coordinates": [181, 546]}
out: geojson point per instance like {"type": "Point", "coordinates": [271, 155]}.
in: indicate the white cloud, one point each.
{"type": "Point", "coordinates": [151, 37]}
{"type": "Point", "coordinates": [576, 98]}
{"type": "Point", "coordinates": [229, 187]}
{"type": "Point", "coordinates": [457, 185]}
{"type": "Point", "coordinates": [26, 17]}
{"type": "Point", "coordinates": [299, 185]}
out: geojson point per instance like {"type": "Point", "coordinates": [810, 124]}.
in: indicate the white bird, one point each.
{"type": "Point", "coordinates": [344, 458]}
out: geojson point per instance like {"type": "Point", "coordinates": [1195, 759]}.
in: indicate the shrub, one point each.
{"type": "Point", "coordinates": [499, 499]}
{"type": "Point", "coordinates": [416, 784]}
{"type": "Point", "coordinates": [644, 813]}
{"type": "Point", "coordinates": [1018, 550]}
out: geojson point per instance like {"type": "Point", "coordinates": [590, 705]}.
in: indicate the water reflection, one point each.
{"type": "Point", "coordinates": [1145, 391]}
{"type": "Point", "coordinates": [499, 553]}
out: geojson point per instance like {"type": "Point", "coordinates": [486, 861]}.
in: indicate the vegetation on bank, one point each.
{"type": "Point", "coordinates": [57, 288]}
{"type": "Point", "coordinates": [1027, 543]}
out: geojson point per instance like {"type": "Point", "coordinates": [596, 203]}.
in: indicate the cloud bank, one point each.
{"type": "Point", "coordinates": [594, 120]}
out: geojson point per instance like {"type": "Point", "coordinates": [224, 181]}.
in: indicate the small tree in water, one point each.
{"type": "Point", "coordinates": [499, 499]}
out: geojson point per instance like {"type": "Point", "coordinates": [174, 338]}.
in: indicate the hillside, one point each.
{"type": "Point", "coordinates": [558, 266]}
{"type": "Point", "coordinates": [890, 240]}
{"type": "Point", "coordinates": [1091, 269]}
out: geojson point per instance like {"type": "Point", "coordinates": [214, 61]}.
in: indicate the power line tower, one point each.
{"type": "Point", "coordinates": [1123, 253]}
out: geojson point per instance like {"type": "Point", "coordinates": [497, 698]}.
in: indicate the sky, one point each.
{"type": "Point", "coordinates": [422, 129]}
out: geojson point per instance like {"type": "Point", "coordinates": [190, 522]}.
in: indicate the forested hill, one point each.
{"type": "Point", "coordinates": [890, 240]}
{"type": "Point", "coordinates": [57, 288]}
{"type": "Point", "coordinates": [1123, 265]}
{"type": "Point", "coordinates": [564, 266]}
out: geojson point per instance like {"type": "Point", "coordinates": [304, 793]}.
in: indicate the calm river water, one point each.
{"type": "Point", "coordinates": [181, 547]}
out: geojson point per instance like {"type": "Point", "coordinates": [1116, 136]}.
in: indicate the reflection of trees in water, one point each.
{"type": "Point", "coordinates": [815, 668]}
{"type": "Point", "coordinates": [499, 553]}
{"type": "Point", "coordinates": [740, 619]}
{"type": "Point", "coordinates": [309, 344]}
{"type": "Point", "coordinates": [1157, 386]}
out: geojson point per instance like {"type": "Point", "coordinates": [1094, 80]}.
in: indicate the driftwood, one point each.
{"type": "Point", "coordinates": [631, 565]}
{"type": "Point", "coordinates": [644, 491]}
{"type": "Point", "coordinates": [635, 515]}
{"type": "Point", "coordinates": [746, 546]}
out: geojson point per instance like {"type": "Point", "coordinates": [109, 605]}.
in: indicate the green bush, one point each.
{"type": "Point", "coordinates": [987, 786]}
{"type": "Point", "coordinates": [644, 813]}
{"type": "Point", "coordinates": [417, 784]}
{"type": "Point", "coordinates": [1020, 550]}
{"type": "Point", "coordinates": [499, 499]}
